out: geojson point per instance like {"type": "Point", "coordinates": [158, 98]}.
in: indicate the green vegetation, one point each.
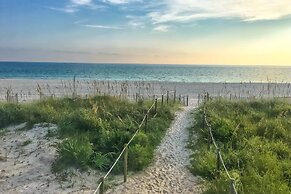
{"type": "Point", "coordinates": [255, 142]}
{"type": "Point", "coordinates": [25, 143]}
{"type": "Point", "coordinates": [94, 130]}
{"type": "Point", "coordinates": [3, 132]}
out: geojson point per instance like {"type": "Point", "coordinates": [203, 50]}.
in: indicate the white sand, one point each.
{"type": "Point", "coordinates": [27, 89]}
{"type": "Point", "coordinates": [27, 168]}
{"type": "Point", "coordinates": [169, 173]}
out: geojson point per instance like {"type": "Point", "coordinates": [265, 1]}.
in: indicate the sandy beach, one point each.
{"type": "Point", "coordinates": [26, 158]}
{"type": "Point", "coordinates": [27, 169]}
{"type": "Point", "coordinates": [29, 89]}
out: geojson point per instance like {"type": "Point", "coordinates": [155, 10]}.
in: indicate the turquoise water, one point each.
{"type": "Point", "coordinates": [176, 73]}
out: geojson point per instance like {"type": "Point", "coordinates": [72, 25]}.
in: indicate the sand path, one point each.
{"type": "Point", "coordinates": [169, 173]}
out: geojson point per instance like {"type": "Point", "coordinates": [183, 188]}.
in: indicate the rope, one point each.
{"type": "Point", "coordinates": [131, 139]}
{"type": "Point", "coordinates": [123, 150]}
{"type": "Point", "coordinates": [217, 148]}
{"type": "Point", "coordinates": [222, 162]}
{"type": "Point", "coordinates": [97, 188]}
{"type": "Point", "coordinates": [114, 163]}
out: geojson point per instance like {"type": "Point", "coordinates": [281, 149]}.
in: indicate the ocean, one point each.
{"type": "Point", "coordinates": [144, 72]}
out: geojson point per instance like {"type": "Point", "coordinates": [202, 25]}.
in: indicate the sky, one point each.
{"type": "Point", "coordinates": [226, 32]}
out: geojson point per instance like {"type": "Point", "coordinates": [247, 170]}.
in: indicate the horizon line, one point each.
{"type": "Point", "coordinates": [140, 63]}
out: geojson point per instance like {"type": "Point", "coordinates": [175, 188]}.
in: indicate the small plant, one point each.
{"type": "Point", "coordinates": [25, 143]}
{"type": "Point", "coordinates": [75, 151]}
{"type": "Point", "coordinates": [3, 132]}
{"type": "Point", "coordinates": [101, 161]}
{"type": "Point", "coordinates": [51, 133]}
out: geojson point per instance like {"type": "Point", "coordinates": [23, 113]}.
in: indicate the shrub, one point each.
{"type": "Point", "coordinates": [139, 157]}
{"type": "Point", "coordinates": [74, 152]}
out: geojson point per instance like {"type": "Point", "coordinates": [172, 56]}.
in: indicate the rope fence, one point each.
{"type": "Point", "coordinates": [219, 159]}
{"type": "Point", "coordinates": [144, 123]}
{"type": "Point", "coordinates": [166, 98]}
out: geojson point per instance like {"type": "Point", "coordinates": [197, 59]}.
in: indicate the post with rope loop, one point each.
{"type": "Point", "coordinates": [156, 105]}
{"type": "Point", "coordinates": [101, 190]}
{"type": "Point", "coordinates": [232, 186]}
{"type": "Point", "coordinates": [218, 159]}
{"type": "Point", "coordinates": [167, 97]}
{"type": "Point", "coordinates": [146, 122]}
{"type": "Point", "coordinates": [125, 163]}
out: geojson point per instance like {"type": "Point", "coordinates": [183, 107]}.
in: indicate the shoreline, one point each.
{"type": "Point", "coordinates": [127, 80]}
{"type": "Point", "coordinates": [33, 89]}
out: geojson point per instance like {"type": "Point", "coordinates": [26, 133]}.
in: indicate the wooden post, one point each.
{"type": "Point", "coordinates": [146, 122]}
{"type": "Point", "coordinates": [162, 99]}
{"type": "Point", "coordinates": [101, 190]}
{"type": "Point", "coordinates": [156, 105]}
{"type": "Point", "coordinates": [174, 96]}
{"type": "Point", "coordinates": [125, 163]}
{"type": "Point", "coordinates": [218, 159]}
{"type": "Point", "coordinates": [232, 186]}
{"type": "Point", "coordinates": [203, 121]}
{"type": "Point", "coordinates": [209, 139]}
{"type": "Point", "coordinates": [74, 93]}
{"type": "Point", "coordinates": [167, 97]}
{"type": "Point", "coordinates": [187, 102]}
{"type": "Point", "coordinates": [16, 98]}
{"type": "Point", "coordinates": [180, 99]}
{"type": "Point", "coordinates": [198, 99]}
{"type": "Point", "coordinates": [136, 97]}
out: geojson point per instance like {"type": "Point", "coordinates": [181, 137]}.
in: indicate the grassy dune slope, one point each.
{"type": "Point", "coordinates": [94, 130]}
{"type": "Point", "coordinates": [255, 142]}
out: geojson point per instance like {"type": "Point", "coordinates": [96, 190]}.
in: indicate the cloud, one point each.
{"type": "Point", "coordinates": [136, 24]}
{"type": "Point", "coordinates": [65, 9]}
{"type": "Point", "coordinates": [74, 6]}
{"type": "Point", "coordinates": [162, 28]}
{"type": "Point", "coordinates": [82, 2]}
{"type": "Point", "coordinates": [121, 1]}
{"type": "Point", "coordinates": [191, 10]}
{"type": "Point", "coordinates": [102, 27]}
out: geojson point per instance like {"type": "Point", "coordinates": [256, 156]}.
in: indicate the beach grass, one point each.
{"type": "Point", "coordinates": [94, 130]}
{"type": "Point", "coordinates": [254, 138]}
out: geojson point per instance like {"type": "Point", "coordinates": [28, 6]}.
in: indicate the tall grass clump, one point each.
{"type": "Point", "coordinates": [254, 138]}
{"type": "Point", "coordinates": [94, 130]}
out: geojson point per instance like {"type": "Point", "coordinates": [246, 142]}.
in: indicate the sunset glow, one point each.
{"type": "Point", "coordinates": [224, 32]}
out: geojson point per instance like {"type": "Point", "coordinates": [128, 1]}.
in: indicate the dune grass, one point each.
{"type": "Point", "coordinates": [255, 142]}
{"type": "Point", "coordinates": [94, 130]}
